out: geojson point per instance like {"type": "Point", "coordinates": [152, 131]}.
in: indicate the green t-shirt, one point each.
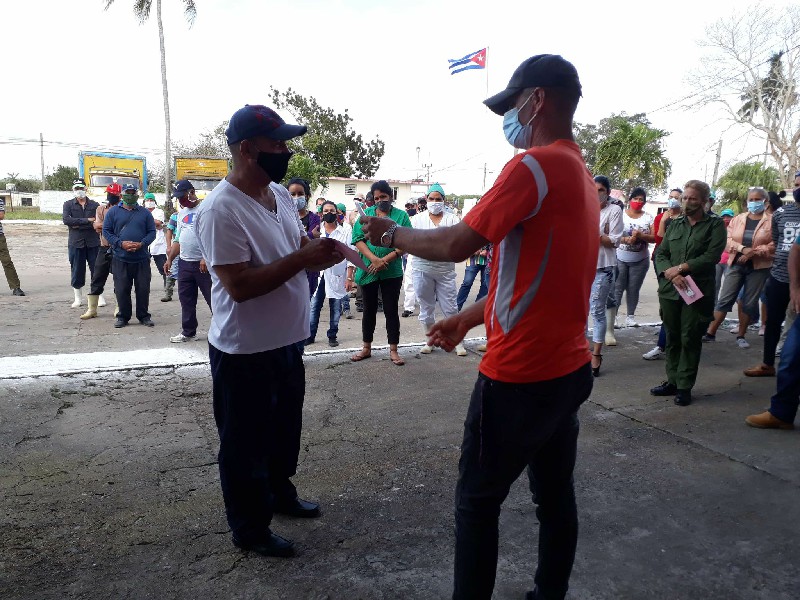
{"type": "Point", "coordinates": [395, 268]}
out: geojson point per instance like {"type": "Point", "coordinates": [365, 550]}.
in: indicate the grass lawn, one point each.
{"type": "Point", "coordinates": [27, 212]}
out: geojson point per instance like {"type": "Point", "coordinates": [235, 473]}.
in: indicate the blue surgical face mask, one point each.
{"type": "Point", "coordinates": [755, 206]}
{"type": "Point", "coordinates": [517, 134]}
{"type": "Point", "coordinates": [674, 203]}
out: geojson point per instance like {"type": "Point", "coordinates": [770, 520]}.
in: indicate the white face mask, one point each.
{"type": "Point", "coordinates": [435, 208]}
{"type": "Point", "coordinates": [80, 193]}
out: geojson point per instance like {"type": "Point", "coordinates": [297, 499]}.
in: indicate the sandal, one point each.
{"type": "Point", "coordinates": [364, 354]}
{"type": "Point", "coordinates": [397, 361]}
{"type": "Point", "coordinates": [596, 370]}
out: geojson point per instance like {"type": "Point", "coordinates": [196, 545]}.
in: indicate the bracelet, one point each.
{"type": "Point", "coordinates": [350, 279]}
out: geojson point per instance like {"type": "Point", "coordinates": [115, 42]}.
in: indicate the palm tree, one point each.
{"type": "Point", "coordinates": [740, 177]}
{"type": "Point", "coordinates": [632, 155]}
{"type": "Point", "coordinates": [141, 8]}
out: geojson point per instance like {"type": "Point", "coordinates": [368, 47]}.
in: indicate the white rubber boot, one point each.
{"type": "Point", "coordinates": [460, 350]}
{"type": "Point", "coordinates": [91, 312]}
{"type": "Point", "coordinates": [611, 317]}
{"type": "Point", "coordinates": [101, 301]}
{"type": "Point", "coordinates": [425, 348]}
{"type": "Point", "coordinates": [78, 297]}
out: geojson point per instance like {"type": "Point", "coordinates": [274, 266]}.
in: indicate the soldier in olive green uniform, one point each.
{"type": "Point", "coordinates": [692, 245]}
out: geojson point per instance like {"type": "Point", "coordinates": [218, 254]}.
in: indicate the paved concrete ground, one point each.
{"type": "Point", "coordinates": [109, 486]}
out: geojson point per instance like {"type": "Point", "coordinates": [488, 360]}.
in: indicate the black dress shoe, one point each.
{"type": "Point", "coordinates": [407, 313]}
{"type": "Point", "coordinates": [298, 508]}
{"type": "Point", "coordinates": [664, 389]}
{"type": "Point", "coordinates": [148, 322]}
{"type": "Point", "coordinates": [18, 292]}
{"type": "Point", "coordinates": [120, 322]}
{"type": "Point", "coordinates": [333, 343]}
{"type": "Point", "coordinates": [272, 545]}
{"type": "Point", "coordinates": [683, 397]}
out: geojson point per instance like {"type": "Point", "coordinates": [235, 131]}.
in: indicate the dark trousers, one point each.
{"type": "Point", "coordinates": [777, 294]}
{"type": "Point", "coordinates": [685, 325]}
{"type": "Point", "coordinates": [160, 260]}
{"type": "Point", "coordinates": [511, 427]}
{"type": "Point", "coordinates": [127, 274]}
{"type": "Point", "coordinates": [783, 404]}
{"type": "Point", "coordinates": [190, 279]}
{"type": "Point", "coordinates": [102, 268]}
{"type": "Point", "coordinates": [8, 264]}
{"type": "Point", "coordinates": [470, 273]}
{"type": "Point", "coordinates": [258, 408]}
{"type": "Point", "coordinates": [78, 259]}
{"type": "Point", "coordinates": [313, 280]}
{"type": "Point", "coordinates": [390, 292]}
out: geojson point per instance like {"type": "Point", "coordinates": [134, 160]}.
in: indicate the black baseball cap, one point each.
{"type": "Point", "coordinates": [258, 120]}
{"type": "Point", "coordinates": [542, 70]}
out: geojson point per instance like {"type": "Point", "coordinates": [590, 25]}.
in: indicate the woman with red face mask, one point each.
{"type": "Point", "coordinates": [633, 254]}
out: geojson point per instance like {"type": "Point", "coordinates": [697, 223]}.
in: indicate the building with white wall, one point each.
{"type": "Point", "coordinates": [345, 189]}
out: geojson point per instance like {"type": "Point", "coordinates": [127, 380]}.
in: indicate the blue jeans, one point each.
{"type": "Point", "coordinates": [317, 300]}
{"type": "Point", "coordinates": [511, 428]}
{"type": "Point", "coordinates": [783, 404]}
{"type": "Point", "coordinates": [470, 273]}
{"type": "Point", "coordinates": [603, 282]}
{"type": "Point", "coordinates": [78, 259]}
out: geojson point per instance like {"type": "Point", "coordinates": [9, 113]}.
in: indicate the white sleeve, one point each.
{"type": "Point", "coordinates": [222, 239]}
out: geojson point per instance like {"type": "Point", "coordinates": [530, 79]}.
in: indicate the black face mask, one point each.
{"type": "Point", "coordinates": [329, 217]}
{"type": "Point", "coordinates": [112, 199]}
{"type": "Point", "coordinates": [274, 165]}
{"type": "Point", "coordinates": [384, 206]}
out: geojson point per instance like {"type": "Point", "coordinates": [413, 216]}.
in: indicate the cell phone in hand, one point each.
{"type": "Point", "coordinates": [360, 209]}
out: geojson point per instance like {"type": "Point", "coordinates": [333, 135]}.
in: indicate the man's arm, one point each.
{"type": "Point", "coordinates": [794, 275]}
{"type": "Point", "coordinates": [108, 229]}
{"type": "Point", "coordinates": [244, 282]}
{"type": "Point", "coordinates": [2, 214]}
{"type": "Point", "coordinates": [99, 216]}
{"type": "Point", "coordinates": [615, 229]}
{"type": "Point", "coordinates": [448, 244]}
{"type": "Point", "coordinates": [150, 230]}
{"type": "Point", "coordinates": [708, 260]}
{"type": "Point", "coordinates": [449, 332]}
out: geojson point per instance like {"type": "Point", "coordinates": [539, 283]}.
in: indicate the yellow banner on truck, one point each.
{"type": "Point", "coordinates": [205, 172]}
{"type": "Point", "coordinates": [99, 169]}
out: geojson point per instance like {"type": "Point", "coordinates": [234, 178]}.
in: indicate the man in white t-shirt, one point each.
{"type": "Point", "coordinates": [257, 250]}
{"type": "Point", "coordinates": [434, 280]}
{"type": "Point", "coordinates": [193, 275]}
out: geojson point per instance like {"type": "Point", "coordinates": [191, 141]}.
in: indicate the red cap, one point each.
{"type": "Point", "coordinates": [114, 188]}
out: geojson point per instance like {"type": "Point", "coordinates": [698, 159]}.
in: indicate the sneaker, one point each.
{"type": "Point", "coordinates": [734, 329]}
{"type": "Point", "coordinates": [17, 292]}
{"type": "Point", "coordinates": [426, 349]}
{"type": "Point", "coordinates": [709, 338]}
{"type": "Point", "coordinates": [407, 313]}
{"type": "Point", "coordinates": [347, 314]}
{"type": "Point", "coordinates": [460, 350]}
{"type": "Point", "coordinates": [333, 343]}
{"type": "Point", "coordinates": [654, 354]}
{"type": "Point", "coordinates": [742, 343]}
{"type": "Point", "coordinates": [753, 327]}
{"type": "Point", "coordinates": [177, 339]}
{"type": "Point", "coordinates": [767, 420]}
{"type": "Point", "coordinates": [630, 321]}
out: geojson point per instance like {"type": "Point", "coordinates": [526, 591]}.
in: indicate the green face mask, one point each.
{"type": "Point", "coordinates": [130, 199]}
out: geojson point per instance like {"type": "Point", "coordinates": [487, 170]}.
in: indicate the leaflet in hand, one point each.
{"type": "Point", "coordinates": [350, 254]}
{"type": "Point", "coordinates": [692, 294]}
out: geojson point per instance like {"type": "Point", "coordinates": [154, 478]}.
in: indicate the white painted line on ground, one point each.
{"type": "Point", "coordinates": [42, 365]}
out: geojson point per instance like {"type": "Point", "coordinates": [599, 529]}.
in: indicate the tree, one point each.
{"type": "Point", "coordinates": [207, 143]}
{"type": "Point", "coordinates": [754, 58]}
{"type": "Point", "coordinates": [589, 137]}
{"type": "Point", "coordinates": [303, 166]}
{"type": "Point", "coordinates": [61, 178]}
{"type": "Point", "coordinates": [330, 143]}
{"type": "Point", "coordinates": [742, 176]}
{"type": "Point", "coordinates": [141, 8]}
{"type": "Point", "coordinates": [630, 153]}
{"type": "Point", "coordinates": [22, 184]}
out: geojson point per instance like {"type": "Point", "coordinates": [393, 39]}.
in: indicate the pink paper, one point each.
{"type": "Point", "coordinates": [350, 254]}
{"type": "Point", "coordinates": [693, 294]}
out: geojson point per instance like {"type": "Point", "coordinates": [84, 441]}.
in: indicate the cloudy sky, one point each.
{"type": "Point", "coordinates": [88, 78]}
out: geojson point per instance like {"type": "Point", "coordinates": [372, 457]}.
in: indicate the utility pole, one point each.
{"type": "Point", "coordinates": [427, 166]}
{"type": "Point", "coordinates": [484, 177]}
{"type": "Point", "coordinates": [716, 164]}
{"type": "Point", "coordinates": [41, 152]}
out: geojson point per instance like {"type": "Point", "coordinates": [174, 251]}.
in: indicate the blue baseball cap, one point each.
{"type": "Point", "coordinates": [182, 188]}
{"type": "Point", "coordinates": [254, 120]}
{"type": "Point", "coordinates": [129, 188]}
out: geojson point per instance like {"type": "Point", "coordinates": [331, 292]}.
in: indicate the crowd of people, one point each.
{"type": "Point", "coordinates": [265, 262]}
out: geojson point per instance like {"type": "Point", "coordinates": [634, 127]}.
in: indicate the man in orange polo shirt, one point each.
{"type": "Point", "coordinates": [542, 216]}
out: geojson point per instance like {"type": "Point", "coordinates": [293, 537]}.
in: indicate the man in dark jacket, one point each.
{"type": "Point", "coordinates": [84, 242]}
{"type": "Point", "coordinates": [129, 230]}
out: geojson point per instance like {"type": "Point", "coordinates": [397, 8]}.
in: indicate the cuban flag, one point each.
{"type": "Point", "coordinates": [473, 60]}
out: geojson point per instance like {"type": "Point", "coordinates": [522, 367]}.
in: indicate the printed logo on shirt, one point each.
{"type": "Point", "coordinates": [188, 219]}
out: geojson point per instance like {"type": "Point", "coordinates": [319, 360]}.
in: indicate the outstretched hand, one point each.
{"type": "Point", "coordinates": [374, 227]}
{"type": "Point", "coordinates": [448, 333]}
{"type": "Point", "coordinates": [320, 254]}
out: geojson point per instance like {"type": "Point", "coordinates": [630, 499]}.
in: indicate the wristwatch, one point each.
{"type": "Point", "coordinates": [388, 236]}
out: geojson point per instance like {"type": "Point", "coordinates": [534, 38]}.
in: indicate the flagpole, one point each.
{"type": "Point", "coordinates": [486, 68]}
